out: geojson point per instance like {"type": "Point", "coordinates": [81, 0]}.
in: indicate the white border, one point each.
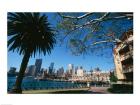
{"type": "Point", "coordinates": [67, 6]}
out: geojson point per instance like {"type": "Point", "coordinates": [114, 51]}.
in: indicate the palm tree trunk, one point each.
{"type": "Point", "coordinates": [17, 88]}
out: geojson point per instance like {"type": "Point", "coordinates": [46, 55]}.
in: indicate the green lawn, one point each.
{"type": "Point", "coordinates": [57, 91]}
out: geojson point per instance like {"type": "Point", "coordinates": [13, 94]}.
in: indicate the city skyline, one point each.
{"type": "Point", "coordinates": [85, 62]}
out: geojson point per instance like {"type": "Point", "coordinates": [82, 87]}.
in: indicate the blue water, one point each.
{"type": "Point", "coordinates": [34, 84]}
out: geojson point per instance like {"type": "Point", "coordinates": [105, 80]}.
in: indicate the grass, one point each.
{"type": "Point", "coordinates": [121, 89]}
{"type": "Point", "coordinates": [58, 91]}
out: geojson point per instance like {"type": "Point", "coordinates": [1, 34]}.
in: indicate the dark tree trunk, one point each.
{"type": "Point", "coordinates": [17, 88]}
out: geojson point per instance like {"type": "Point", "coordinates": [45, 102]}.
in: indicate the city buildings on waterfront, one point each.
{"type": "Point", "coordinates": [48, 78]}
{"type": "Point", "coordinates": [80, 75]}
{"type": "Point", "coordinates": [51, 69]}
{"type": "Point", "coordinates": [60, 72]}
{"type": "Point", "coordinates": [12, 72]}
{"type": "Point", "coordinates": [77, 73]}
{"type": "Point", "coordinates": [38, 64]}
{"type": "Point", "coordinates": [123, 57]}
{"type": "Point", "coordinates": [31, 70]}
{"type": "Point", "coordinates": [94, 76]}
{"type": "Point", "coordinates": [80, 71]}
{"type": "Point", "coordinates": [70, 69]}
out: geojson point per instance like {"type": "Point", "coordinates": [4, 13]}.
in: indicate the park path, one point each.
{"type": "Point", "coordinates": [99, 90]}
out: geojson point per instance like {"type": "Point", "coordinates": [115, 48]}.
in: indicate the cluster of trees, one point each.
{"type": "Point", "coordinates": [31, 33]}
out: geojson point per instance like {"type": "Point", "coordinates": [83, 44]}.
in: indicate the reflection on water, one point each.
{"type": "Point", "coordinates": [30, 83]}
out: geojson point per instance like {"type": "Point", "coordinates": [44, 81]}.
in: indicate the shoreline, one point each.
{"type": "Point", "coordinates": [91, 90]}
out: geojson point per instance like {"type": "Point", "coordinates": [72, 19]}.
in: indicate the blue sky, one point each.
{"type": "Point", "coordinates": [62, 56]}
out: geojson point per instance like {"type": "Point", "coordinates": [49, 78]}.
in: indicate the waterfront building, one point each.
{"type": "Point", "coordinates": [60, 72]}
{"type": "Point", "coordinates": [51, 69]}
{"type": "Point", "coordinates": [45, 74]}
{"type": "Point", "coordinates": [76, 68]}
{"type": "Point", "coordinates": [38, 64]}
{"type": "Point", "coordinates": [123, 57]}
{"type": "Point", "coordinates": [70, 69]}
{"type": "Point", "coordinates": [80, 71]}
{"type": "Point", "coordinates": [41, 72]}
{"type": "Point", "coordinates": [31, 70]}
{"type": "Point", "coordinates": [12, 71]}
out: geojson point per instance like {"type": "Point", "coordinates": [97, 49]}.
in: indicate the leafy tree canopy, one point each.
{"type": "Point", "coordinates": [94, 32]}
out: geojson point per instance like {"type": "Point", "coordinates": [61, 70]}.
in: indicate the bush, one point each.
{"type": "Point", "coordinates": [121, 88]}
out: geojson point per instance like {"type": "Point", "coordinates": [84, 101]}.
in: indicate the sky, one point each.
{"type": "Point", "coordinates": [61, 56]}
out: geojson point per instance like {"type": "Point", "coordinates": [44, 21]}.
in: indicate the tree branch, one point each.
{"type": "Point", "coordinates": [104, 17]}
{"type": "Point", "coordinates": [105, 41]}
{"type": "Point", "coordinates": [79, 17]}
{"type": "Point", "coordinates": [94, 21]}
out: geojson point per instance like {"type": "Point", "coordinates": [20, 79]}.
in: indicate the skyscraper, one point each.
{"type": "Point", "coordinates": [31, 70]}
{"type": "Point", "coordinates": [60, 72]}
{"type": "Point", "coordinates": [51, 68]}
{"type": "Point", "coordinates": [70, 68]}
{"type": "Point", "coordinates": [38, 64]}
{"type": "Point", "coordinates": [76, 68]}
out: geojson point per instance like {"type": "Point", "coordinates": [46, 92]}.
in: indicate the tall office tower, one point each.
{"type": "Point", "coordinates": [60, 72]}
{"type": "Point", "coordinates": [31, 70]}
{"type": "Point", "coordinates": [38, 64]}
{"type": "Point", "coordinates": [70, 68]}
{"type": "Point", "coordinates": [51, 68]}
{"type": "Point", "coordinates": [76, 68]}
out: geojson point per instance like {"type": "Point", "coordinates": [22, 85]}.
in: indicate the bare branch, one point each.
{"type": "Point", "coordinates": [102, 18]}
{"type": "Point", "coordinates": [93, 21]}
{"type": "Point", "coordinates": [105, 41]}
{"type": "Point", "coordinates": [118, 17]}
{"type": "Point", "coordinates": [79, 17]}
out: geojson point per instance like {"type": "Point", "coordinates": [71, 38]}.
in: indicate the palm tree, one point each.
{"type": "Point", "coordinates": [29, 34]}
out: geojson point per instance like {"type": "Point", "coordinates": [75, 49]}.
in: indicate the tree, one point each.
{"type": "Point", "coordinates": [29, 34]}
{"type": "Point", "coordinates": [93, 32]}
{"type": "Point", "coordinates": [113, 78]}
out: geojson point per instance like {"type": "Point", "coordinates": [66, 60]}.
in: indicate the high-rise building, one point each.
{"type": "Point", "coordinates": [123, 57]}
{"type": "Point", "coordinates": [76, 68]}
{"type": "Point", "coordinates": [38, 64]}
{"type": "Point", "coordinates": [60, 72]}
{"type": "Point", "coordinates": [70, 69]}
{"type": "Point", "coordinates": [31, 70]}
{"type": "Point", "coordinates": [51, 68]}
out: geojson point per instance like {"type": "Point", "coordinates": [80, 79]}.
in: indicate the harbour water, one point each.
{"type": "Point", "coordinates": [34, 84]}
